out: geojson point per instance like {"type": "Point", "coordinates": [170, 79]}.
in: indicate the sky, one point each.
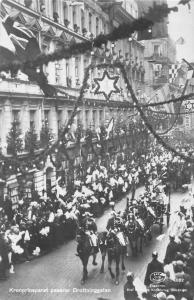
{"type": "Point", "coordinates": [181, 24]}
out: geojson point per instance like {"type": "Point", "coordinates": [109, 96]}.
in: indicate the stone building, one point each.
{"type": "Point", "coordinates": [56, 23]}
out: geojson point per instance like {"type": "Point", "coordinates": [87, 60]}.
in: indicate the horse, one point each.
{"type": "Point", "coordinates": [102, 245]}
{"type": "Point", "coordinates": [135, 234]}
{"type": "Point", "coordinates": [85, 249]}
{"type": "Point", "coordinates": [148, 217]}
{"type": "Point", "coordinates": [115, 251]}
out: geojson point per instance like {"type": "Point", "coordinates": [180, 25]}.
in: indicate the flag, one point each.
{"type": "Point", "coordinates": [190, 73]}
{"type": "Point", "coordinates": [180, 41]}
{"type": "Point", "coordinates": [5, 41]}
{"type": "Point", "coordinates": [161, 95]}
{"type": "Point", "coordinates": [190, 70]}
{"type": "Point", "coordinates": [109, 128]}
{"type": "Point", "coordinates": [26, 48]}
{"type": "Point", "coordinates": [173, 72]}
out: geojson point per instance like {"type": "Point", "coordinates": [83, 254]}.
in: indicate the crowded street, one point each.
{"type": "Point", "coordinates": [59, 272]}
{"type": "Point", "coordinates": [96, 150]}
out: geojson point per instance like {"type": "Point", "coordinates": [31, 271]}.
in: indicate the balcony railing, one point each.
{"type": "Point", "coordinates": [155, 57]}
{"type": "Point", "coordinates": [160, 80]}
{"type": "Point", "coordinates": [19, 86]}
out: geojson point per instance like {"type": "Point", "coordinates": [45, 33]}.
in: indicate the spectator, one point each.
{"type": "Point", "coordinates": [153, 266]}
{"type": "Point", "coordinates": [4, 264]}
{"type": "Point", "coordinates": [129, 288]}
{"type": "Point", "coordinates": [161, 296]}
{"type": "Point", "coordinates": [171, 250]}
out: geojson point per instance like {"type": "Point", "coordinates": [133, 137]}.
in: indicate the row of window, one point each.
{"type": "Point", "coordinates": [90, 119]}
{"type": "Point", "coordinates": [75, 14]}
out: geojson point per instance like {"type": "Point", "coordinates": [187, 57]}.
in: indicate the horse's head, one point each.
{"type": "Point", "coordinates": [111, 238]}
{"type": "Point", "coordinates": [131, 225]}
{"type": "Point", "coordinates": [80, 235]}
{"type": "Point", "coordinates": [102, 236]}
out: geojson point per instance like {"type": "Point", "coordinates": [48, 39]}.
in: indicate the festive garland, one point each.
{"type": "Point", "coordinates": [148, 125]}
{"type": "Point", "coordinates": [155, 14]}
{"type": "Point", "coordinates": [23, 164]}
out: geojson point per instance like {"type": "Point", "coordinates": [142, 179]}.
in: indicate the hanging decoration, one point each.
{"type": "Point", "coordinates": [15, 164]}
{"type": "Point", "coordinates": [155, 14]}
{"type": "Point", "coordinates": [106, 85]}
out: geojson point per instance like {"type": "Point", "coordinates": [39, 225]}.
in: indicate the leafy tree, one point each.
{"type": "Point", "coordinates": [46, 135]}
{"type": "Point", "coordinates": [14, 140]}
{"type": "Point", "coordinates": [31, 140]}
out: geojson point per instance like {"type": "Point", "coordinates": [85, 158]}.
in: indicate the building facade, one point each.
{"type": "Point", "coordinates": [160, 54]}
{"type": "Point", "coordinates": [55, 24]}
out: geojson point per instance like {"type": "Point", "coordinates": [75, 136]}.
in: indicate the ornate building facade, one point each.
{"type": "Point", "coordinates": [56, 23]}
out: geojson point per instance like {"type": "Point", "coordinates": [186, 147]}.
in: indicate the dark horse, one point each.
{"type": "Point", "coordinates": [135, 233]}
{"type": "Point", "coordinates": [115, 252]}
{"type": "Point", "coordinates": [85, 250]}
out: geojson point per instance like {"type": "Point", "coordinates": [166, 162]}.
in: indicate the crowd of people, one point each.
{"type": "Point", "coordinates": [39, 224]}
{"type": "Point", "coordinates": [172, 279]}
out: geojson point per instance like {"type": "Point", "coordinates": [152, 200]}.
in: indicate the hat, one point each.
{"type": "Point", "coordinates": [172, 236]}
{"type": "Point", "coordinates": [171, 297]}
{"type": "Point", "coordinates": [113, 213]}
{"type": "Point", "coordinates": [161, 296]}
{"type": "Point", "coordinates": [130, 275]}
{"type": "Point", "coordinates": [87, 213]}
{"type": "Point", "coordinates": [155, 254]}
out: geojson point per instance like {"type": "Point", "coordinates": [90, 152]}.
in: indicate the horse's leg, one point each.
{"type": "Point", "coordinates": [122, 258]}
{"type": "Point", "coordinates": [109, 266]}
{"type": "Point", "coordinates": [117, 259]}
{"type": "Point", "coordinates": [103, 253]}
{"type": "Point", "coordinates": [85, 271]}
{"type": "Point", "coordinates": [131, 244]}
{"type": "Point", "coordinates": [94, 259]}
{"type": "Point", "coordinates": [140, 243]}
{"type": "Point", "coordinates": [136, 246]}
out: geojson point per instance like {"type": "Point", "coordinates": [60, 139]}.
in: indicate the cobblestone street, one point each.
{"type": "Point", "coordinates": [62, 270]}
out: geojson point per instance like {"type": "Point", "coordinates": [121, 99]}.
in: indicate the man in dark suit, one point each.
{"type": "Point", "coordinates": [129, 288]}
{"type": "Point", "coordinates": [171, 250]}
{"type": "Point", "coordinates": [153, 266]}
{"type": "Point", "coordinates": [4, 264]}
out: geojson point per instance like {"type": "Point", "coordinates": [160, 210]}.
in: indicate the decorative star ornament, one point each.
{"type": "Point", "coordinates": [106, 85]}
{"type": "Point", "coordinates": [188, 105]}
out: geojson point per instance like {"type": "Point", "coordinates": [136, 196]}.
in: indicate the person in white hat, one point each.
{"type": "Point", "coordinates": [161, 296]}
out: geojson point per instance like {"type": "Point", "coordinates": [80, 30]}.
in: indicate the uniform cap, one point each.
{"type": "Point", "coordinates": [161, 296]}
{"type": "Point", "coordinates": [130, 275]}
{"type": "Point", "coordinates": [87, 213]}
{"type": "Point", "coordinates": [155, 253]}
{"type": "Point", "coordinates": [171, 297]}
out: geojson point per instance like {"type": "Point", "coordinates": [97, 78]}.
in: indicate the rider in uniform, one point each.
{"type": "Point", "coordinates": [90, 228]}
{"type": "Point", "coordinates": [111, 221]}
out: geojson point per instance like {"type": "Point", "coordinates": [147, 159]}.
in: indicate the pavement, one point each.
{"type": "Point", "coordinates": [57, 275]}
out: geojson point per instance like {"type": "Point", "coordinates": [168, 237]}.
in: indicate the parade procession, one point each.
{"type": "Point", "coordinates": [97, 149]}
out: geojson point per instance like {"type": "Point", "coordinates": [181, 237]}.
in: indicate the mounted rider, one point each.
{"type": "Point", "coordinates": [111, 221]}
{"type": "Point", "coordinates": [90, 228]}
{"type": "Point", "coordinates": [116, 225]}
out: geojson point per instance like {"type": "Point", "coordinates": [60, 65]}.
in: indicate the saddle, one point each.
{"type": "Point", "coordinates": [121, 238]}
{"type": "Point", "coordinates": [92, 238]}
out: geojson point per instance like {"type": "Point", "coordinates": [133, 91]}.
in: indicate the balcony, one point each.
{"type": "Point", "coordinates": [160, 80]}
{"type": "Point", "coordinates": [156, 58]}
{"type": "Point", "coordinates": [17, 86]}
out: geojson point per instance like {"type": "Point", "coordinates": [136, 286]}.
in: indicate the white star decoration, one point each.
{"type": "Point", "coordinates": [188, 105]}
{"type": "Point", "coordinates": [107, 85]}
